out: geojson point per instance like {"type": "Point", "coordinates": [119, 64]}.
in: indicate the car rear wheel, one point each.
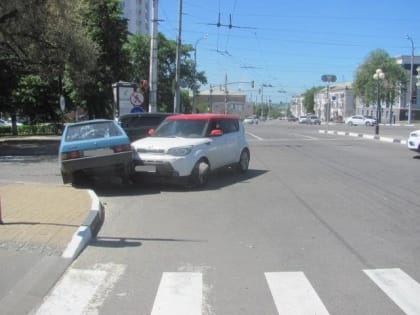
{"type": "Point", "coordinates": [243, 163]}
{"type": "Point", "coordinates": [200, 173]}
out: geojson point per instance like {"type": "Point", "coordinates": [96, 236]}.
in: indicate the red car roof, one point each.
{"type": "Point", "coordinates": [202, 116]}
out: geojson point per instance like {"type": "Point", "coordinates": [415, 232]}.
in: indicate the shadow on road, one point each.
{"type": "Point", "coordinates": [144, 184]}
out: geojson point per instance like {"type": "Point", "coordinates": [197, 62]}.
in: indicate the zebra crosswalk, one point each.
{"type": "Point", "coordinates": [83, 291]}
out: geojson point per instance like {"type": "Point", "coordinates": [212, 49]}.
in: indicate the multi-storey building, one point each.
{"type": "Point", "coordinates": [341, 99]}
{"type": "Point", "coordinates": [296, 106]}
{"type": "Point", "coordinates": [138, 13]}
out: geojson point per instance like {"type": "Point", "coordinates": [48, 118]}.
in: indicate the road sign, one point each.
{"type": "Point", "coordinates": [136, 98]}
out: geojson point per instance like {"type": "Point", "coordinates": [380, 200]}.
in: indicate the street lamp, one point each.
{"type": "Point", "coordinates": [410, 97]}
{"type": "Point", "coordinates": [195, 70]}
{"type": "Point", "coordinates": [378, 76]}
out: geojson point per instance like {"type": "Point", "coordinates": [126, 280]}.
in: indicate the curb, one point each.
{"type": "Point", "coordinates": [361, 135]}
{"type": "Point", "coordinates": [89, 228]}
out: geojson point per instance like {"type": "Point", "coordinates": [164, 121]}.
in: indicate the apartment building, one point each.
{"type": "Point", "coordinates": [342, 101]}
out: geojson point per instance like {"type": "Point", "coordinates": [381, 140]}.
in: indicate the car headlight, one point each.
{"type": "Point", "coordinates": [180, 151]}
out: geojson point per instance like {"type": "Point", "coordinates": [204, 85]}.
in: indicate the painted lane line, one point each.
{"type": "Point", "coordinates": [400, 287]}
{"type": "Point", "coordinates": [255, 136]}
{"type": "Point", "coordinates": [81, 291]}
{"type": "Point", "coordinates": [179, 293]}
{"type": "Point", "coordinates": [293, 294]}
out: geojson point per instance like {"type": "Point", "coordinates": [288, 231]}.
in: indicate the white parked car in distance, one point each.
{"type": "Point", "coordinates": [413, 142]}
{"type": "Point", "coordinates": [360, 120]}
{"type": "Point", "coordinates": [251, 120]}
{"type": "Point", "coordinates": [190, 146]}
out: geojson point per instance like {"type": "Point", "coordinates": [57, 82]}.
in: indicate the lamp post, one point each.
{"type": "Point", "coordinates": [329, 78]}
{"type": "Point", "coordinates": [195, 70]}
{"type": "Point", "coordinates": [410, 97]}
{"type": "Point", "coordinates": [378, 76]}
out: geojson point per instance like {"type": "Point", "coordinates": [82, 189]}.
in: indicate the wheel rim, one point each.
{"type": "Point", "coordinates": [244, 160]}
{"type": "Point", "coordinates": [201, 173]}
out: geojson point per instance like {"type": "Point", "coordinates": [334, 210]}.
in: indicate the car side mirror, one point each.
{"type": "Point", "coordinates": [151, 131]}
{"type": "Point", "coordinates": [216, 132]}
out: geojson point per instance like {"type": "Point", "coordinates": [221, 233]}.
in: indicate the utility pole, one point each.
{"type": "Point", "coordinates": [410, 97]}
{"type": "Point", "coordinates": [153, 60]}
{"type": "Point", "coordinates": [177, 97]}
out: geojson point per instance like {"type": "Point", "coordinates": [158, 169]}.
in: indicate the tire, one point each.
{"type": "Point", "coordinates": [127, 174]}
{"type": "Point", "coordinates": [367, 124]}
{"type": "Point", "coordinates": [243, 163]}
{"type": "Point", "coordinates": [200, 173]}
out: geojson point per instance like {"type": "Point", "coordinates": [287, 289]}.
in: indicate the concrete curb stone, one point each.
{"type": "Point", "coordinates": [365, 136]}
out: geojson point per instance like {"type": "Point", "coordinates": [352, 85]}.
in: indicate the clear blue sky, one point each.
{"type": "Point", "coordinates": [290, 44]}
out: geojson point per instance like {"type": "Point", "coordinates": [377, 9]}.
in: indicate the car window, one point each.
{"type": "Point", "coordinates": [139, 121]}
{"type": "Point", "coordinates": [92, 131]}
{"type": "Point", "coordinates": [187, 128]}
{"type": "Point", "coordinates": [229, 125]}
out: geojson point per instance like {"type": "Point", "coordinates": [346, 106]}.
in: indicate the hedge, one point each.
{"type": "Point", "coordinates": [33, 130]}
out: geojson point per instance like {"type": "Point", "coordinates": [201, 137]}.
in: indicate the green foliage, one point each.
{"type": "Point", "coordinates": [138, 47]}
{"type": "Point", "coordinates": [30, 130]}
{"type": "Point", "coordinates": [104, 26]}
{"type": "Point", "coordinates": [309, 98]}
{"type": "Point", "coordinates": [365, 86]}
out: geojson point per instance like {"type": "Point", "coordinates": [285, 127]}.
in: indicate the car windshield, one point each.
{"type": "Point", "coordinates": [185, 128]}
{"type": "Point", "coordinates": [92, 131]}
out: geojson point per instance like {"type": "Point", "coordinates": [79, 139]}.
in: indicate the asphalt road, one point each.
{"type": "Point", "coordinates": [320, 224]}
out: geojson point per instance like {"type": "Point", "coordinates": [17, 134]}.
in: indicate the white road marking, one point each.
{"type": "Point", "coordinates": [293, 294]}
{"type": "Point", "coordinates": [400, 287]}
{"type": "Point", "coordinates": [81, 291]}
{"type": "Point", "coordinates": [179, 293]}
{"type": "Point", "coordinates": [255, 136]}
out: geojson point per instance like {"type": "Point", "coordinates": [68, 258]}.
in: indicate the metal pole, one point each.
{"type": "Point", "coordinates": [226, 94]}
{"type": "Point", "coordinates": [378, 109]}
{"type": "Point", "coordinates": [177, 97]}
{"type": "Point", "coordinates": [410, 98]}
{"type": "Point", "coordinates": [153, 60]}
{"type": "Point", "coordinates": [195, 71]}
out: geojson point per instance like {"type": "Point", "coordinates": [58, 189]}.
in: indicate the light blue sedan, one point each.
{"type": "Point", "coordinates": [94, 147]}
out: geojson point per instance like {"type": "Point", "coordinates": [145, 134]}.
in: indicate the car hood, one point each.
{"type": "Point", "coordinates": [158, 143]}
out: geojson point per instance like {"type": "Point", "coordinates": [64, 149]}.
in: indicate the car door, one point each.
{"type": "Point", "coordinates": [230, 129]}
{"type": "Point", "coordinates": [218, 148]}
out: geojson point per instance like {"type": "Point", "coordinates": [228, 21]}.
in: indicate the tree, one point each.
{"type": "Point", "coordinates": [309, 98]}
{"type": "Point", "coordinates": [365, 86]}
{"type": "Point", "coordinates": [105, 26]}
{"type": "Point", "coordinates": [139, 50]}
{"type": "Point", "coordinates": [38, 38]}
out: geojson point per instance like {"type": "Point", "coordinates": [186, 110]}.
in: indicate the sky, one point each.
{"type": "Point", "coordinates": [289, 45]}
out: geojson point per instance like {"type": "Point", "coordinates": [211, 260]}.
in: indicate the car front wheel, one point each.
{"type": "Point", "coordinates": [200, 173]}
{"type": "Point", "coordinates": [243, 163]}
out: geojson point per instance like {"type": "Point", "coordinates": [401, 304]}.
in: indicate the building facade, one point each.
{"type": "Point", "coordinates": [342, 102]}
{"type": "Point", "coordinates": [138, 14]}
{"type": "Point", "coordinates": [296, 106]}
{"type": "Point", "coordinates": [220, 101]}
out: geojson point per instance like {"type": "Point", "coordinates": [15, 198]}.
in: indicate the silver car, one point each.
{"type": "Point", "coordinates": [360, 120]}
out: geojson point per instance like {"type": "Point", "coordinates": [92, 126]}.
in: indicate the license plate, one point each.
{"type": "Point", "coordinates": [145, 168]}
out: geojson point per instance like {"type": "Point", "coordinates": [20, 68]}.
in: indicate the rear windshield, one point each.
{"type": "Point", "coordinates": [135, 122]}
{"type": "Point", "coordinates": [92, 131]}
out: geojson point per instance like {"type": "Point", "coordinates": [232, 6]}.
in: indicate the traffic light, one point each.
{"type": "Point", "coordinates": [252, 83]}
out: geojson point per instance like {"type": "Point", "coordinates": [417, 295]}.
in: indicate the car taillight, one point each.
{"type": "Point", "coordinates": [71, 155]}
{"type": "Point", "coordinates": [121, 148]}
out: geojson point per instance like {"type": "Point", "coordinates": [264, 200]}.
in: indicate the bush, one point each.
{"type": "Point", "coordinates": [46, 129]}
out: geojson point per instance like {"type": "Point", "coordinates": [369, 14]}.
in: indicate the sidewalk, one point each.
{"type": "Point", "coordinates": [51, 219]}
